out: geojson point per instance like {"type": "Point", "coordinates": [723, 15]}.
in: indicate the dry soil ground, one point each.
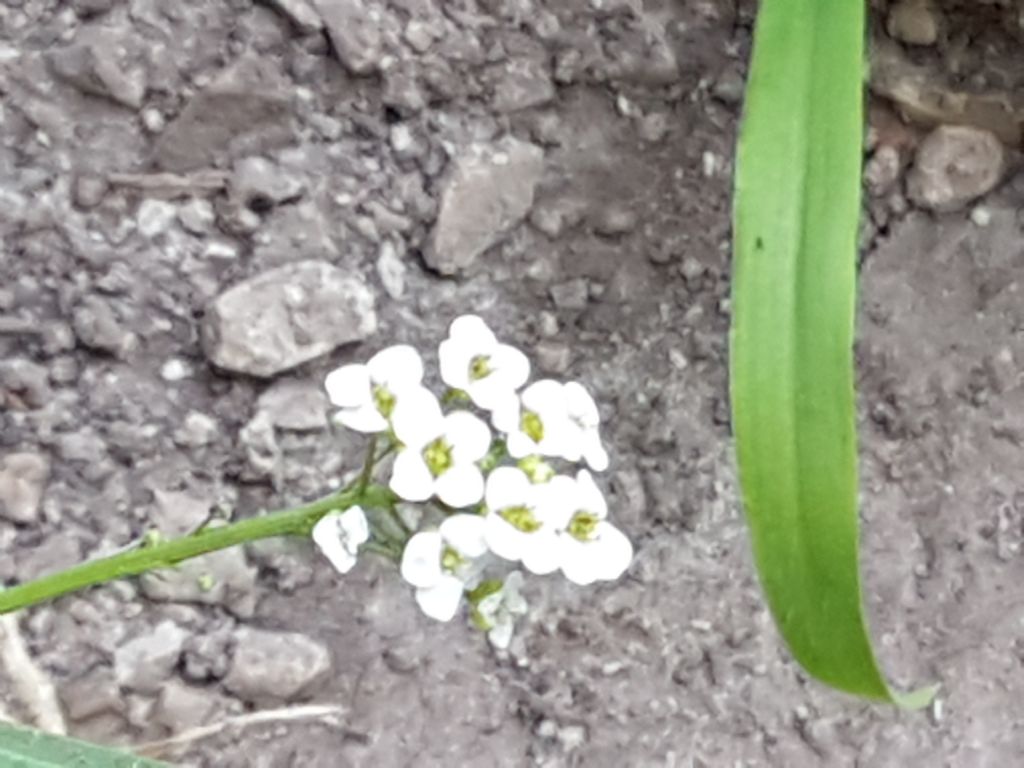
{"type": "Point", "coordinates": [361, 171]}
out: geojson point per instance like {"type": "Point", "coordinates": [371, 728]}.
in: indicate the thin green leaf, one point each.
{"type": "Point", "coordinates": [794, 280]}
{"type": "Point", "coordinates": [25, 748]}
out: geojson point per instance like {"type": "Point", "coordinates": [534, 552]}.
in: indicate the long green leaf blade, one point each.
{"type": "Point", "coordinates": [794, 281]}
{"type": "Point", "coordinates": [24, 748]}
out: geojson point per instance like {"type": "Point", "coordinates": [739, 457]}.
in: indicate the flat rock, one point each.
{"type": "Point", "coordinates": [300, 13]}
{"type": "Point", "coordinates": [98, 66]}
{"type": "Point", "coordinates": [220, 578]}
{"type": "Point", "coordinates": [954, 165]}
{"type": "Point", "coordinates": [286, 316]}
{"type": "Point", "coordinates": [296, 405]}
{"type": "Point", "coordinates": [22, 481]}
{"type": "Point", "coordinates": [275, 665]}
{"type": "Point", "coordinates": [181, 706]}
{"type": "Point", "coordinates": [244, 111]}
{"type": "Point", "coordinates": [145, 663]}
{"type": "Point", "coordinates": [354, 29]}
{"type": "Point", "coordinates": [488, 190]}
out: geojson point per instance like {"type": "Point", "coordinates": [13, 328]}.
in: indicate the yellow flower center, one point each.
{"type": "Point", "coordinates": [480, 367]}
{"type": "Point", "coordinates": [384, 400]}
{"type": "Point", "coordinates": [521, 518]}
{"type": "Point", "coordinates": [583, 525]}
{"type": "Point", "coordinates": [532, 426]}
{"type": "Point", "coordinates": [535, 468]}
{"type": "Point", "coordinates": [438, 457]}
{"type": "Point", "coordinates": [451, 560]}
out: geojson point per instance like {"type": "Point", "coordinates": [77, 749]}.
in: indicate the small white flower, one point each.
{"type": "Point", "coordinates": [472, 360]}
{"type": "Point", "coordinates": [438, 452]}
{"type": "Point", "coordinates": [523, 518]}
{"type": "Point", "coordinates": [583, 414]}
{"type": "Point", "coordinates": [538, 423]}
{"type": "Point", "coordinates": [497, 612]}
{"type": "Point", "coordinates": [592, 549]}
{"type": "Point", "coordinates": [367, 394]}
{"type": "Point", "coordinates": [438, 563]}
{"type": "Point", "coordinates": [340, 534]}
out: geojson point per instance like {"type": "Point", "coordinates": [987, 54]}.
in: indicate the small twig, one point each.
{"type": "Point", "coordinates": [31, 686]}
{"type": "Point", "coordinates": [158, 749]}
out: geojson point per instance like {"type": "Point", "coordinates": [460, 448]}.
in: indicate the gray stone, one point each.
{"type": "Point", "coordinates": [22, 482]}
{"type": "Point", "coordinates": [176, 513]}
{"type": "Point", "coordinates": [524, 83]}
{"type": "Point", "coordinates": [275, 665]}
{"type": "Point", "coordinates": [954, 165]}
{"type": "Point", "coordinates": [615, 219]}
{"type": "Point", "coordinates": [246, 110]}
{"type": "Point", "coordinates": [206, 657]}
{"type": "Point", "coordinates": [298, 405]}
{"type": "Point", "coordinates": [572, 294]}
{"type": "Point", "coordinates": [97, 67]}
{"type": "Point", "coordinates": [391, 270]}
{"type": "Point", "coordinates": [197, 430]}
{"type": "Point", "coordinates": [300, 13]}
{"type": "Point", "coordinates": [488, 190]}
{"type": "Point", "coordinates": [197, 216]}
{"type": "Point", "coordinates": [88, 190]}
{"type": "Point", "coordinates": [882, 170]}
{"type": "Point", "coordinates": [181, 706]}
{"type": "Point", "coordinates": [257, 182]}
{"type": "Point", "coordinates": [262, 453]}
{"type": "Point", "coordinates": [97, 692]}
{"type": "Point", "coordinates": [145, 662]}
{"type": "Point", "coordinates": [23, 385]}
{"type": "Point", "coordinates": [553, 356]}
{"type": "Point", "coordinates": [53, 554]}
{"type": "Point", "coordinates": [287, 316]}
{"type": "Point", "coordinates": [154, 217]}
{"type": "Point", "coordinates": [220, 578]}
{"type": "Point", "coordinates": [355, 33]}
{"type": "Point", "coordinates": [97, 327]}
{"type": "Point", "coordinates": [915, 22]}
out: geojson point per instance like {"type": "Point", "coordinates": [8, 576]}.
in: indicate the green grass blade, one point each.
{"type": "Point", "coordinates": [24, 748]}
{"type": "Point", "coordinates": [794, 281]}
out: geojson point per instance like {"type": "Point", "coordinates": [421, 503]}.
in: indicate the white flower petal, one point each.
{"type": "Point", "coordinates": [589, 497]}
{"type": "Point", "coordinates": [417, 418]}
{"type": "Point", "coordinates": [503, 539]}
{"type": "Point", "coordinates": [594, 452]}
{"type": "Point", "coordinates": [349, 386]}
{"type": "Point", "coordinates": [505, 414]}
{"type": "Point", "coordinates": [453, 359]}
{"type": "Point", "coordinates": [506, 487]}
{"type": "Point", "coordinates": [545, 397]}
{"type": "Point", "coordinates": [421, 560]}
{"type": "Point", "coordinates": [472, 331]}
{"type": "Point", "coordinates": [331, 538]}
{"type": "Point", "coordinates": [500, 634]}
{"type": "Point", "coordinates": [396, 367]}
{"type": "Point", "coordinates": [511, 365]}
{"type": "Point", "coordinates": [355, 529]}
{"type": "Point", "coordinates": [441, 601]}
{"type": "Point", "coordinates": [410, 476]}
{"type": "Point", "coordinates": [461, 486]}
{"type": "Point", "coordinates": [465, 534]}
{"type": "Point", "coordinates": [366, 419]}
{"type": "Point", "coordinates": [544, 554]}
{"type": "Point", "coordinates": [581, 405]}
{"type": "Point", "coordinates": [520, 446]}
{"type": "Point", "coordinates": [558, 500]}
{"type": "Point", "coordinates": [605, 558]}
{"type": "Point", "coordinates": [469, 437]}
{"type": "Point", "coordinates": [562, 438]}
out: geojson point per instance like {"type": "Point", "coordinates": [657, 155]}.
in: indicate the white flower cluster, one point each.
{"type": "Point", "coordinates": [497, 494]}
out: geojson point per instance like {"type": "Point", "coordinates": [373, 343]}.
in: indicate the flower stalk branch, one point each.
{"type": "Point", "coordinates": [297, 521]}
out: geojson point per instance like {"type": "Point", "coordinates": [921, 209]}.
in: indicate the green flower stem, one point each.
{"type": "Point", "coordinates": [298, 521]}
